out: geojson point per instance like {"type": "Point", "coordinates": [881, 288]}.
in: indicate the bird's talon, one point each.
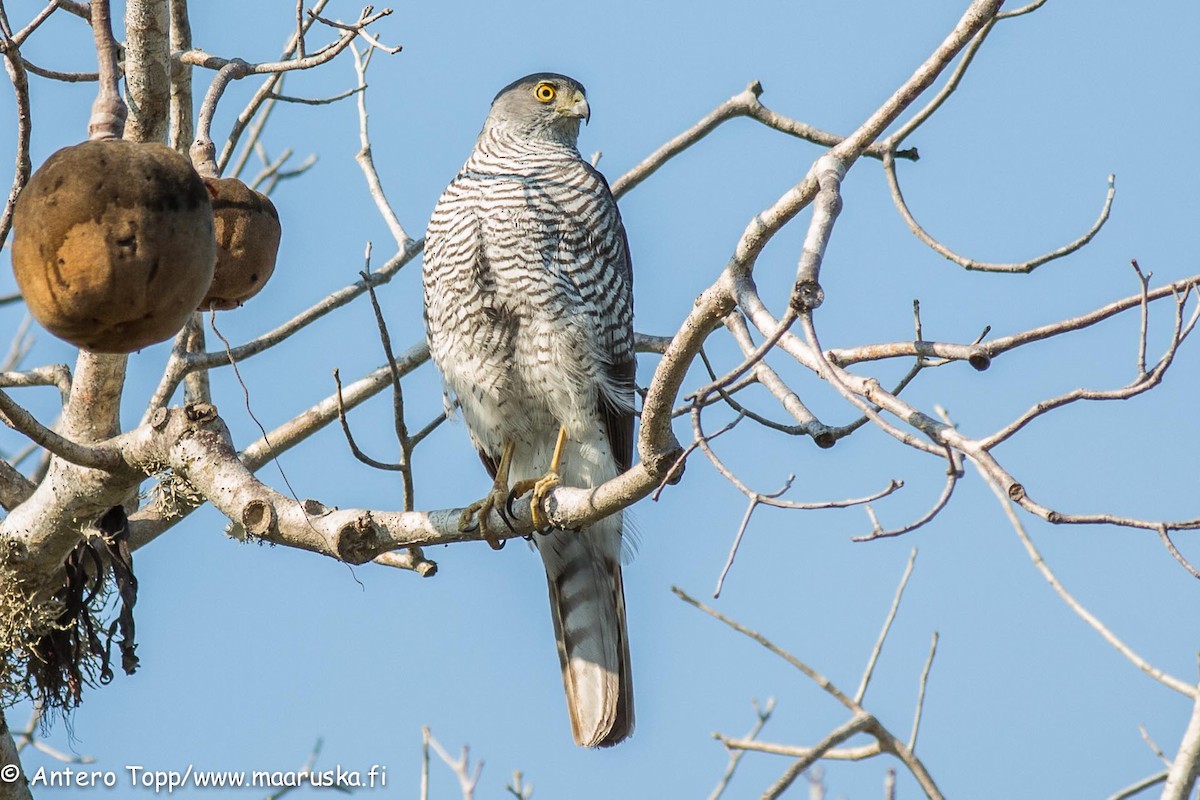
{"type": "Point", "coordinates": [464, 519]}
{"type": "Point", "coordinates": [506, 519]}
{"type": "Point", "coordinates": [540, 488]}
{"type": "Point", "coordinates": [480, 510]}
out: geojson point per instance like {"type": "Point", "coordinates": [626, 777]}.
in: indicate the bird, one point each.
{"type": "Point", "coordinates": [528, 290]}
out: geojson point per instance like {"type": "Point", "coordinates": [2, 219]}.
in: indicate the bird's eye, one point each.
{"type": "Point", "coordinates": [545, 92]}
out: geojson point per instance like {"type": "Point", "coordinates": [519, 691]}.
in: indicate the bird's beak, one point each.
{"type": "Point", "coordinates": [577, 107]}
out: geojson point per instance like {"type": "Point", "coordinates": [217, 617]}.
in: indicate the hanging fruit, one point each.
{"type": "Point", "coordinates": [247, 230]}
{"type": "Point", "coordinates": [113, 244]}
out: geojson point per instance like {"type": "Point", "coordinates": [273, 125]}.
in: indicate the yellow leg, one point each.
{"type": "Point", "coordinates": [496, 498]}
{"type": "Point", "coordinates": [542, 486]}
{"type": "Point", "coordinates": [558, 448]}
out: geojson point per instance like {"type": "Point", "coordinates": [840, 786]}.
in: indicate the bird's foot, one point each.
{"type": "Point", "coordinates": [481, 509]}
{"type": "Point", "coordinates": [541, 487]}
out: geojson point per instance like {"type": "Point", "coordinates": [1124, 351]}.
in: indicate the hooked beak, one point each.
{"type": "Point", "coordinates": [577, 107]}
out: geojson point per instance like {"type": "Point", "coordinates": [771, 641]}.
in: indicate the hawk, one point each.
{"type": "Point", "coordinates": [529, 315]}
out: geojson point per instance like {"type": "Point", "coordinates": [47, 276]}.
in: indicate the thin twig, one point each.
{"type": "Point", "coordinates": [924, 682]}
{"type": "Point", "coordinates": [15, 66]}
{"type": "Point", "coordinates": [55, 75]}
{"type": "Point", "coordinates": [953, 473]}
{"type": "Point", "coordinates": [763, 713]}
{"type": "Point", "coordinates": [406, 475]}
{"type": "Point", "coordinates": [1162, 677]}
{"type": "Point", "coordinates": [820, 680]}
{"type": "Point", "coordinates": [365, 159]}
{"type": "Point", "coordinates": [371, 40]}
{"type": "Point", "coordinates": [755, 500]}
{"type": "Point", "coordinates": [1138, 787]}
{"type": "Point", "coordinates": [316, 101]}
{"type": "Point", "coordinates": [1144, 305]}
{"type": "Point", "coordinates": [1165, 536]}
{"type": "Point", "coordinates": [1023, 267]}
{"type": "Point", "coordinates": [856, 724]}
{"type": "Point", "coordinates": [359, 454]}
{"type": "Point", "coordinates": [97, 457]}
{"type": "Point", "coordinates": [887, 626]}
{"type": "Point", "coordinates": [260, 99]}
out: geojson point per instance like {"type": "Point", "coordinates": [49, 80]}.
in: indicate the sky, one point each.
{"type": "Point", "coordinates": [251, 655]}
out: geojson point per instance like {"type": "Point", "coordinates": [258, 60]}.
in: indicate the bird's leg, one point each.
{"type": "Point", "coordinates": [543, 485]}
{"type": "Point", "coordinates": [494, 499]}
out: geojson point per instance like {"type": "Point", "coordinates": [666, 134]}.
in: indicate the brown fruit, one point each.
{"type": "Point", "coordinates": [248, 233]}
{"type": "Point", "coordinates": [113, 244]}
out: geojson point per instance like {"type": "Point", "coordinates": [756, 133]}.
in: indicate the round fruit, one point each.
{"type": "Point", "coordinates": [247, 227]}
{"type": "Point", "coordinates": [113, 244]}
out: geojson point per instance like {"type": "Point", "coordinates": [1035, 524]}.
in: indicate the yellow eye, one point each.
{"type": "Point", "coordinates": [545, 92]}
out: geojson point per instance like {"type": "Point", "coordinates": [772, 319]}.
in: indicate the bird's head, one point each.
{"type": "Point", "coordinates": [542, 105]}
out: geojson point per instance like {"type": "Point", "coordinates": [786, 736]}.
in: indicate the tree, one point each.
{"type": "Point", "coordinates": [738, 364]}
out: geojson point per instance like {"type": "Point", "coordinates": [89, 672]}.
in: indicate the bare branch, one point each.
{"type": "Point", "coordinates": [180, 107]}
{"type": "Point", "coordinates": [861, 721]}
{"type": "Point", "coordinates": [147, 70]}
{"type": "Point", "coordinates": [14, 40]}
{"type": "Point", "coordinates": [953, 473]}
{"type": "Point", "coordinates": [887, 626]}
{"type": "Point", "coordinates": [411, 559]}
{"type": "Point", "coordinates": [1024, 267]}
{"type": "Point", "coordinates": [519, 788]}
{"type": "Point", "coordinates": [1143, 382]}
{"type": "Point", "coordinates": [981, 354]}
{"type": "Point", "coordinates": [856, 724]}
{"type": "Point", "coordinates": [1164, 678]}
{"type": "Point", "coordinates": [1006, 343]}
{"type": "Point", "coordinates": [916, 726]}
{"type": "Point", "coordinates": [735, 756]}
{"type": "Point", "coordinates": [702, 440]}
{"type": "Point", "coordinates": [1016, 12]}
{"type": "Point", "coordinates": [807, 423]}
{"type": "Point", "coordinates": [310, 421]}
{"type": "Point", "coordinates": [15, 488]}
{"type": "Point", "coordinates": [755, 499]}
{"type": "Point", "coordinates": [55, 75]}
{"type": "Point", "coordinates": [745, 103]}
{"type": "Point", "coordinates": [261, 99]}
{"type": "Point", "coordinates": [359, 454]}
{"type": "Point", "coordinates": [22, 421]}
{"type": "Point", "coordinates": [952, 83]}
{"type": "Point", "coordinates": [1140, 786]}
{"type": "Point", "coordinates": [366, 160]}
{"type": "Point", "coordinates": [203, 150]}
{"type": "Point", "coordinates": [29, 738]}
{"type": "Point", "coordinates": [14, 65]}
{"type": "Point", "coordinates": [1165, 536]}
{"type": "Point", "coordinates": [368, 38]}
{"type": "Point", "coordinates": [56, 375]}
{"type": "Point", "coordinates": [820, 680]}
{"type": "Point", "coordinates": [461, 766]}
{"type": "Point", "coordinates": [1182, 774]}
{"type": "Point", "coordinates": [316, 101]}
{"type": "Point", "coordinates": [182, 363]}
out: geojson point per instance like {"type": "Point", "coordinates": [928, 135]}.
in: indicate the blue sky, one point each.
{"type": "Point", "coordinates": [250, 654]}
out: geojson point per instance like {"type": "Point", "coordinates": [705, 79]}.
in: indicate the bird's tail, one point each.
{"type": "Point", "coordinates": [587, 604]}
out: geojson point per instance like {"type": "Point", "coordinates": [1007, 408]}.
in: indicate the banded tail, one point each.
{"type": "Point", "coordinates": [587, 604]}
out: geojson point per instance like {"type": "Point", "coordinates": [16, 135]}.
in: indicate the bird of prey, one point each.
{"type": "Point", "coordinates": [529, 316]}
